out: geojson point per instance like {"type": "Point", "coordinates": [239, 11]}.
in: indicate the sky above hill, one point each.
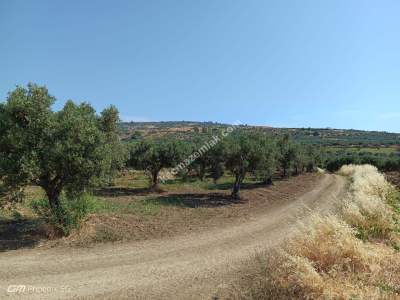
{"type": "Point", "coordinates": [333, 63]}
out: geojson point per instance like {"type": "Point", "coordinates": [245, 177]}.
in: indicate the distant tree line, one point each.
{"type": "Point", "coordinates": [384, 162]}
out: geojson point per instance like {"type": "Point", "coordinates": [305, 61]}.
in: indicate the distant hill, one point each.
{"type": "Point", "coordinates": [323, 136]}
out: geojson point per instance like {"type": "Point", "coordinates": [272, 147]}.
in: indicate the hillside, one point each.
{"type": "Point", "coordinates": [323, 136]}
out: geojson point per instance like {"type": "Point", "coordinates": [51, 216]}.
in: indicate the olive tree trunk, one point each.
{"type": "Point", "coordinates": [154, 179]}
{"type": "Point", "coordinates": [53, 193]}
{"type": "Point", "coordinates": [202, 172]}
{"type": "Point", "coordinates": [236, 186]}
{"type": "Point", "coordinates": [268, 180]}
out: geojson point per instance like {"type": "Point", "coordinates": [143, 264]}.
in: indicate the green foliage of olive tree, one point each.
{"type": "Point", "coordinates": [203, 161]}
{"type": "Point", "coordinates": [152, 156]}
{"type": "Point", "coordinates": [299, 158]}
{"type": "Point", "coordinates": [314, 157]}
{"type": "Point", "coordinates": [286, 154]}
{"type": "Point", "coordinates": [267, 165]}
{"type": "Point", "coordinates": [68, 150]}
{"type": "Point", "coordinates": [216, 161]}
{"type": "Point", "coordinates": [210, 159]}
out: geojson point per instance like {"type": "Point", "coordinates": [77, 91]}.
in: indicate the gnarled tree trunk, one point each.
{"type": "Point", "coordinates": [236, 186]}
{"type": "Point", "coordinates": [53, 188]}
{"type": "Point", "coordinates": [268, 180]}
{"type": "Point", "coordinates": [202, 172]}
{"type": "Point", "coordinates": [154, 180]}
{"type": "Point", "coordinates": [53, 193]}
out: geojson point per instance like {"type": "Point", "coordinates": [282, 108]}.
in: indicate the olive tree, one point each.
{"type": "Point", "coordinates": [152, 156]}
{"type": "Point", "coordinates": [314, 157]}
{"type": "Point", "coordinates": [242, 154]}
{"type": "Point", "coordinates": [68, 150]}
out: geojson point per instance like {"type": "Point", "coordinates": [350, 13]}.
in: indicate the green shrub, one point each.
{"type": "Point", "coordinates": [71, 212]}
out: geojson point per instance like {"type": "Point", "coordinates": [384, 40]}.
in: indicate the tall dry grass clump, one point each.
{"type": "Point", "coordinates": [330, 244]}
{"type": "Point", "coordinates": [324, 261]}
{"type": "Point", "coordinates": [366, 181]}
{"type": "Point", "coordinates": [274, 275]}
{"type": "Point", "coordinates": [366, 205]}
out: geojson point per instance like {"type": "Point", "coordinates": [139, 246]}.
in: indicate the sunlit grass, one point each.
{"type": "Point", "coordinates": [145, 207]}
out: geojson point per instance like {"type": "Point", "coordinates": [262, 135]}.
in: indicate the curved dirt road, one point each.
{"type": "Point", "coordinates": [191, 266]}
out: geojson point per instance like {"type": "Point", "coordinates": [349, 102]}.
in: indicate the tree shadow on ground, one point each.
{"type": "Point", "coordinates": [194, 200]}
{"type": "Point", "coordinates": [124, 191]}
{"type": "Point", "coordinates": [182, 180]}
{"type": "Point", "coordinates": [243, 186]}
{"type": "Point", "coordinates": [22, 233]}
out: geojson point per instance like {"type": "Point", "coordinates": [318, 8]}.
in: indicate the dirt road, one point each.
{"type": "Point", "coordinates": [190, 266]}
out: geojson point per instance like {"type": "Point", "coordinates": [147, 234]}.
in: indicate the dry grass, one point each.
{"type": "Point", "coordinates": [366, 206]}
{"type": "Point", "coordinates": [331, 245]}
{"type": "Point", "coordinates": [327, 259]}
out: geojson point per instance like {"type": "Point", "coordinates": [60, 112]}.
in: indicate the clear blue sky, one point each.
{"type": "Point", "coordinates": [282, 63]}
